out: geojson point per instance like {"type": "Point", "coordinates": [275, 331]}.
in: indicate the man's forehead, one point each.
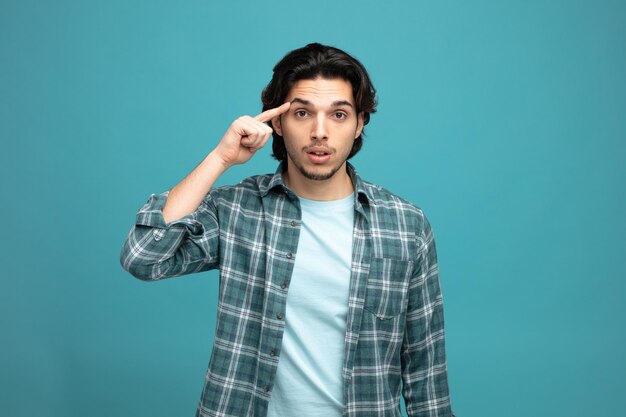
{"type": "Point", "coordinates": [321, 91]}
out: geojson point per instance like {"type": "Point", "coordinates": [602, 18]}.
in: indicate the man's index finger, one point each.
{"type": "Point", "coordinates": [268, 115]}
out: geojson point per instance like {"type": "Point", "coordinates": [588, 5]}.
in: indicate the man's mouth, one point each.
{"type": "Point", "coordinates": [318, 155]}
{"type": "Point", "coordinates": [317, 150]}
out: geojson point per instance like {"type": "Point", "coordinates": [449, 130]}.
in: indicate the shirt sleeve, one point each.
{"type": "Point", "coordinates": [154, 250]}
{"type": "Point", "coordinates": [424, 370]}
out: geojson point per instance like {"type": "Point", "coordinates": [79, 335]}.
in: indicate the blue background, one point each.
{"type": "Point", "coordinates": [504, 121]}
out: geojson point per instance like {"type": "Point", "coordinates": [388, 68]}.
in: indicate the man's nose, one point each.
{"type": "Point", "coordinates": [320, 128]}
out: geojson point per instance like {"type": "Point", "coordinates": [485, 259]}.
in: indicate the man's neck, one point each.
{"type": "Point", "coordinates": [334, 188]}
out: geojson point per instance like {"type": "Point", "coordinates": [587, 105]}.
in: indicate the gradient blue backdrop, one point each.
{"type": "Point", "coordinates": [504, 121]}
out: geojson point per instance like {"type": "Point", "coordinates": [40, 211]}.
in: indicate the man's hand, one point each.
{"type": "Point", "coordinates": [245, 136]}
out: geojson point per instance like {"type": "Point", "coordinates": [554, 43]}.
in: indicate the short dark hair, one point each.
{"type": "Point", "coordinates": [308, 63]}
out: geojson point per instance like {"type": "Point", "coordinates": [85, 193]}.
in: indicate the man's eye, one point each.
{"type": "Point", "coordinates": [341, 115]}
{"type": "Point", "coordinates": [300, 113]}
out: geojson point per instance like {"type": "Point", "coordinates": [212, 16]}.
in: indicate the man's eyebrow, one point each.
{"type": "Point", "coordinates": [301, 101]}
{"type": "Point", "coordinates": [337, 103]}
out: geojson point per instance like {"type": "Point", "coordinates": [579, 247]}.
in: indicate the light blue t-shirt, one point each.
{"type": "Point", "coordinates": [308, 379]}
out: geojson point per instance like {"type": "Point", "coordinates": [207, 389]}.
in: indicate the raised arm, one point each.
{"type": "Point", "coordinates": [244, 137]}
{"type": "Point", "coordinates": [177, 232]}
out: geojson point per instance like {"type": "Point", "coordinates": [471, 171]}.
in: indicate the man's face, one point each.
{"type": "Point", "coordinates": [319, 128]}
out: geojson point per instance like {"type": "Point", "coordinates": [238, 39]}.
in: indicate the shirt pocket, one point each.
{"type": "Point", "coordinates": [387, 287]}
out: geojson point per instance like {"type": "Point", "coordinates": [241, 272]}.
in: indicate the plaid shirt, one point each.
{"type": "Point", "coordinates": [394, 328]}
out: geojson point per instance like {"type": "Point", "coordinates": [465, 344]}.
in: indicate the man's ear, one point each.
{"type": "Point", "coordinates": [359, 125]}
{"type": "Point", "coordinates": [277, 126]}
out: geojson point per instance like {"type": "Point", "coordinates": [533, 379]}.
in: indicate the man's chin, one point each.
{"type": "Point", "coordinates": [319, 174]}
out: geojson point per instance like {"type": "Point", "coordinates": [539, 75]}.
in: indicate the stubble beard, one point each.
{"type": "Point", "coordinates": [312, 175]}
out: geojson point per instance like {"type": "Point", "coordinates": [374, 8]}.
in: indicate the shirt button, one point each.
{"type": "Point", "coordinates": [279, 316]}
{"type": "Point", "coordinates": [289, 255]}
{"type": "Point", "coordinates": [294, 223]}
{"type": "Point", "coordinates": [283, 285]}
{"type": "Point", "coordinates": [158, 234]}
{"type": "Point", "coordinates": [267, 388]}
{"type": "Point", "coordinates": [272, 352]}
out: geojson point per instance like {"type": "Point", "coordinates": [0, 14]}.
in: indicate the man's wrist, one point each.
{"type": "Point", "coordinates": [215, 159]}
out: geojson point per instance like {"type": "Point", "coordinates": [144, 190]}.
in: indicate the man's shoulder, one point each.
{"type": "Point", "coordinates": [250, 187]}
{"type": "Point", "coordinates": [381, 198]}
{"type": "Point", "coordinates": [394, 209]}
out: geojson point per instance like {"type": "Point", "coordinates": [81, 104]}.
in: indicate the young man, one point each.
{"type": "Point", "coordinates": [329, 299]}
